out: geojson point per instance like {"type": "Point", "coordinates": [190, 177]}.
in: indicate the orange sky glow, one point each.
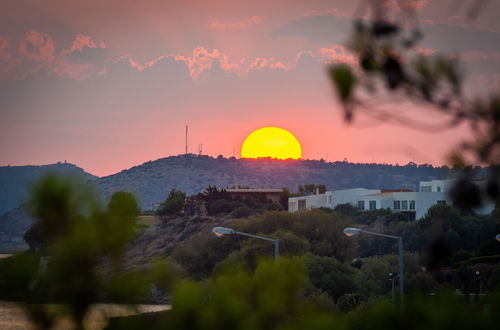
{"type": "Point", "coordinates": [110, 85]}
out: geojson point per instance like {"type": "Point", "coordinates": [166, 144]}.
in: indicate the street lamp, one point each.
{"type": "Point", "coordinates": [221, 231]}
{"type": "Point", "coordinates": [357, 231]}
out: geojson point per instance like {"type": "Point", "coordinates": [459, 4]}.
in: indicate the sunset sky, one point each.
{"type": "Point", "coordinates": [110, 84]}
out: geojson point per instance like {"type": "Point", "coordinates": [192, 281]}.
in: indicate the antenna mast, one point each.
{"type": "Point", "coordinates": [186, 139]}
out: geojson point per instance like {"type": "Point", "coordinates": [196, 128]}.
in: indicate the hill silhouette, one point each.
{"type": "Point", "coordinates": [15, 181]}
{"type": "Point", "coordinates": [151, 181]}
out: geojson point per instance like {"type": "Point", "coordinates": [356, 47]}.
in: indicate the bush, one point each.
{"type": "Point", "coordinates": [223, 206]}
{"type": "Point", "coordinates": [242, 212]}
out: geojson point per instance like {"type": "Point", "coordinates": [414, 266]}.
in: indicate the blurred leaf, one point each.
{"type": "Point", "coordinates": [344, 80]}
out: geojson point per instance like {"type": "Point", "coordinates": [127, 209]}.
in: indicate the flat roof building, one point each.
{"type": "Point", "coordinates": [415, 204]}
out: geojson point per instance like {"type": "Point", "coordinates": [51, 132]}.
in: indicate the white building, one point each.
{"type": "Point", "coordinates": [415, 203]}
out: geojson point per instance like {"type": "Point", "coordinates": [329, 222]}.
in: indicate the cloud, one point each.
{"type": "Point", "coordinates": [37, 46]}
{"type": "Point", "coordinates": [80, 42]}
{"type": "Point", "coordinates": [202, 60]}
{"type": "Point", "coordinates": [406, 4]}
{"type": "Point", "coordinates": [6, 61]}
{"type": "Point", "coordinates": [338, 54]}
{"type": "Point", "coordinates": [74, 62]}
{"type": "Point", "coordinates": [37, 50]}
{"type": "Point", "coordinates": [261, 63]}
{"type": "Point", "coordinates": [245, 23]}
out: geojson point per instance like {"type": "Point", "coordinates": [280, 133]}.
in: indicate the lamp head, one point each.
{"type": "Point", "coordinates": [352, 231]}
{"type": "Point", "coordinates": [221, 231]}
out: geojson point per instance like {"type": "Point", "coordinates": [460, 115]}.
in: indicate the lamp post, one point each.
{"type": "Point", "coordinates": [221, 231]}
{"type": "Point", "coordinates": [392, 277]}
{"type": "Point", "coordinates": [357, 231]}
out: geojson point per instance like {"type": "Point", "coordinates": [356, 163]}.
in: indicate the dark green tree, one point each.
{"type": "Point", "coordinates": [174, 204]}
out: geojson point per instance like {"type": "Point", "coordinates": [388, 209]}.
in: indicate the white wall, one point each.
{"type": "Point", "coordinates": [351, 196]}
{"type": "Point", "coordinates": [312, 201]}
{"type": "Point", "coordinates": [427, 199]}
{"type": "Point", "coordinates": [423, 200]}
{"type": "Point", "coordinates": [436, 185]}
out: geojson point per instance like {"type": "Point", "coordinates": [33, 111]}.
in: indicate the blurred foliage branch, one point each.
{"type": "Point", "coordinates": [392, 68]}
{"type": "Point", "coordinates": [77, 255]}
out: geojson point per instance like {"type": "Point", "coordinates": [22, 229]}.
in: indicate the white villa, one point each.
{"type": "Point", "coordinates": [415, 203]}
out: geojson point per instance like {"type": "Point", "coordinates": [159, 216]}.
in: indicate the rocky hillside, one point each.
{"type": "Point", "coordinates": [157, 241]}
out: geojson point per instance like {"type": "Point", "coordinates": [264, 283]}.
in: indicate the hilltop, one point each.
{"type": "Point", "coordinates": [152, 181]}
{"type": "Point", "coordinates": [15, 181]}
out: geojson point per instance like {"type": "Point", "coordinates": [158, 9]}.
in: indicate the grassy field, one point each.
{"type": "Point", "coordinates": [149, 220]}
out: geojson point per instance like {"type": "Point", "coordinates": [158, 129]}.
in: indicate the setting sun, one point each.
{"type": "Point", "coordinates": [272, 142]}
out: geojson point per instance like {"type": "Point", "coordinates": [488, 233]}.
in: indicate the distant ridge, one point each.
{"type": "Point", "coordinates": [15, 181]}
{"type": "Point", "coordinates": [152, 180]}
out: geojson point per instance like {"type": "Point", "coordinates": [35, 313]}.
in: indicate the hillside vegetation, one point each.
{"type": "Point", "coordinates": [152, 181]}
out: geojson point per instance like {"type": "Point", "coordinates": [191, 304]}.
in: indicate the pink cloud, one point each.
{"type": "Point", "coordinates": [136, 65]}
{"type": "Point", "coordinates": [203, 60]}
{"type": "Point", "coordinates": [82, 41]}
{"type": "Point", "coordinates": [338, 53]}
{"type": "Point", "coordinates": [261, 63]}
{"type": "Point", "coordinates": [6, 61]}
{"type": "Point", "coordinates": [245, 23]}
{"type": "Point", "coordinates": [406, 4]}
{"type": "Point", "coordinates": [65, 66]}
{"type": "Point", "coordinates": [37, 46]}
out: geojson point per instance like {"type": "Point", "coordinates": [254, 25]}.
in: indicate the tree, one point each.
{"type": "Point", "coordinates": [311, 188]}
{"type": "Point", "coordinates": [174, 203]}
{"type": "Point", "coordinates": [331, 276]}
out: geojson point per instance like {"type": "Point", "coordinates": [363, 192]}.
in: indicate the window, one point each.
{"type": "Point", "coordinates": [361, 205]}
{"type": "Point", "coordinates": [412, 205]}
{"type": "Point", "coordinates": [373, 205]}
{"type": "Point", "coordinates": [439, 189]}
{"type": "Point", "coordinates": [441, 202]}
{"type": "Point", "coordinates": [329, 200]}
{"type": "Point", "coordinates": [404, 205]}
{"type": "Point", "coordinates": [397, 205]}
{"type": "Point", "coordinates": [425, 188]}
{"type": "Point", "coordinates": [302, 204]}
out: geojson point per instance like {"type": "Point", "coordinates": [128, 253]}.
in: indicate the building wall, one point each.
{"type": "Point", "coordinates": [435, 186]}
{"type": "Point", "coordinates": [351, 196]}
{"type": "Point", "coordinates": [311, 201]}
{"type": "Point", "coordinates": [427, 199]}
{"type": "Point", "coordinates": [385, 200]}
